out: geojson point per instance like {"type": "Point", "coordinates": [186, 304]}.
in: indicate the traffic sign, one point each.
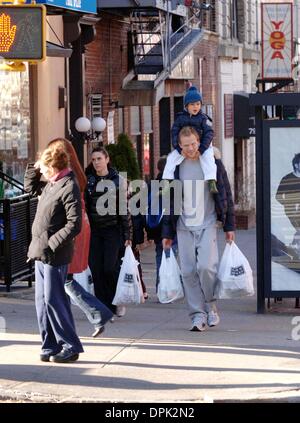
{"type": "Point", "coordinates": [22, 33]}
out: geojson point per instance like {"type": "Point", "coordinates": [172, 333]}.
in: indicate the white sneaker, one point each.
{"type": "Point", "coordinates": [121, 310]}
{"type": "Point", "coordinates": [199, 327]}
{"type": "Point", "coordinates": [213, 319]}
{"type": "Point", "coordinates": [198, 324]}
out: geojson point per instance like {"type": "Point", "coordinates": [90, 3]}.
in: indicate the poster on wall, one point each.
{"type": "Point", "coordinates": [285, 208]}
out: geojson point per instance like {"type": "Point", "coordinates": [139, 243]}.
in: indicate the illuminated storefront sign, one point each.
{"type": "Point", "coordinates": [22, 33]}
{"type": "Point", "coordinates": [277, 40]}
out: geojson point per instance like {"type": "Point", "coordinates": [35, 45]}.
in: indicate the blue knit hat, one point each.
{"type": "Point", "coordinates": [192, 96]}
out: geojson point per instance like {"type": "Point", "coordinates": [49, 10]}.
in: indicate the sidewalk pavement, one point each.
{"type": "Point", "coordinates": [149, 355]}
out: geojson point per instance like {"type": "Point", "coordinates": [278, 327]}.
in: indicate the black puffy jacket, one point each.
{"type": "Point", "coordinates": [97, 187]}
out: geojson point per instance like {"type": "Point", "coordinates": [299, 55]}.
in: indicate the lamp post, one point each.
{"type": "Point", "coordinates": [98, 126]}
{"type": "Point", "coordinates": [91, 132]}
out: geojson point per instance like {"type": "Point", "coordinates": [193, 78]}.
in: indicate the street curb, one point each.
{"type": "Point", "coordinates": [34, 397]}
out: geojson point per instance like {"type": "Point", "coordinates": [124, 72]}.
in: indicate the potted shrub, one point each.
{"type": "Point", "coordinates": [123, 157]}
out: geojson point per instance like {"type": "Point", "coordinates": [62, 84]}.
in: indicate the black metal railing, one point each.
{"type": "Point", "coordinates": [16, 217]}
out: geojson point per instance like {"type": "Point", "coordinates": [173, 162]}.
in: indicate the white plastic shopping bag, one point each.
{"type": "Point", "coordinates": [129, 288]}
{"type": "Point", "coordinates": [170, 286]}
{"type": "Point", "coordinates": [85, 279]}
{"type": "Point", "coordinates": [235, 279]}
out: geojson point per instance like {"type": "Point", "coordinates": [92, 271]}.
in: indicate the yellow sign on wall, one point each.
{"type": "Point", "coordinates": [22, 33]}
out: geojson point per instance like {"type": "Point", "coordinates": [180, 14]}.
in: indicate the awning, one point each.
{"type": "Point", "coordinates": [54, 50]}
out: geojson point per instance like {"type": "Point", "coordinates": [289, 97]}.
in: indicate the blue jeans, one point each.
{"type": "Point", "coordinates": [53, 309]}
{"type": "Point", "coordinates": [96, 312]}
{"type": "Point", "coordinates": [159, 251]}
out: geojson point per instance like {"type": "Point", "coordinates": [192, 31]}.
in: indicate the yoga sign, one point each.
{"type": "Point", "coordinates": [277, 40]}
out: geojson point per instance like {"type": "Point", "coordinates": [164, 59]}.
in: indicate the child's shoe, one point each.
{"type": "Point", "coordinates": [212, 186]}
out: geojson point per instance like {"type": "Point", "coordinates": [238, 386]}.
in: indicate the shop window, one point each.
{"type": "Point", "coordinates": [15, 137]}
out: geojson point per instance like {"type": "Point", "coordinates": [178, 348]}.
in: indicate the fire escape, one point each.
{"type": "Point", "coordinates": [161, 35]}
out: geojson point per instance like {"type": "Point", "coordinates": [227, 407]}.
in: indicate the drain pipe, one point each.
{"type": "Point", "coordinates": [110, 66]}
{"type": "Point", "coordinates": [168, 44]}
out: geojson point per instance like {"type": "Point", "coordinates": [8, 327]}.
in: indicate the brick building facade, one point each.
{"type": "Point", "coordinates": [206, 79]}
{"type": "Point", "coordinates": [224, 62]}
{"type": "Point", "coordinates": [106, 65]}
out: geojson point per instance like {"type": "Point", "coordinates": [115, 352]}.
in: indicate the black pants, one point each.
{"type": "Point", "coordinates": [104, 263]}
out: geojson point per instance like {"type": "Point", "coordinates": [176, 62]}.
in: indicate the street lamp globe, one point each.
{"type": "Point", "coordinates": [83, 124]}
{"type": "Point", "coordinates": [98, 124]}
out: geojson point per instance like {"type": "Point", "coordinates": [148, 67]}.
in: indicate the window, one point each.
{"type": "Point", "coordinates": [135, 121]}
{"type": "Point", "coordinates": [234, 19]}
{"type": "Point", "coordinates": [121, 120]}
{"type": "Point", "coordinates": [209, 16]}
{"type": "Point", "coordinates": [200, 72]}
{"type": "Point", "coordinates": [15, 132]}
{"type": "Point", "coordinates": [95, 105]}
{"type": "Point", "coordinates": [224, 19]}
{"type": "Point", "coordinates": [185, 68]}
{"type": "Point", "coordinates": [147, 112]}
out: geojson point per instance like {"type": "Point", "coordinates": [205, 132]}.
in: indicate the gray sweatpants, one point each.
{"type": "Point", "coordinates": [199, 258]}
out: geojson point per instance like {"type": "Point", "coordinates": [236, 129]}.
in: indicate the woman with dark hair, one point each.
{"type": "Point", "coordinates": [109, 225]}
{"type": "Point", "coordinates": [56, 224]}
